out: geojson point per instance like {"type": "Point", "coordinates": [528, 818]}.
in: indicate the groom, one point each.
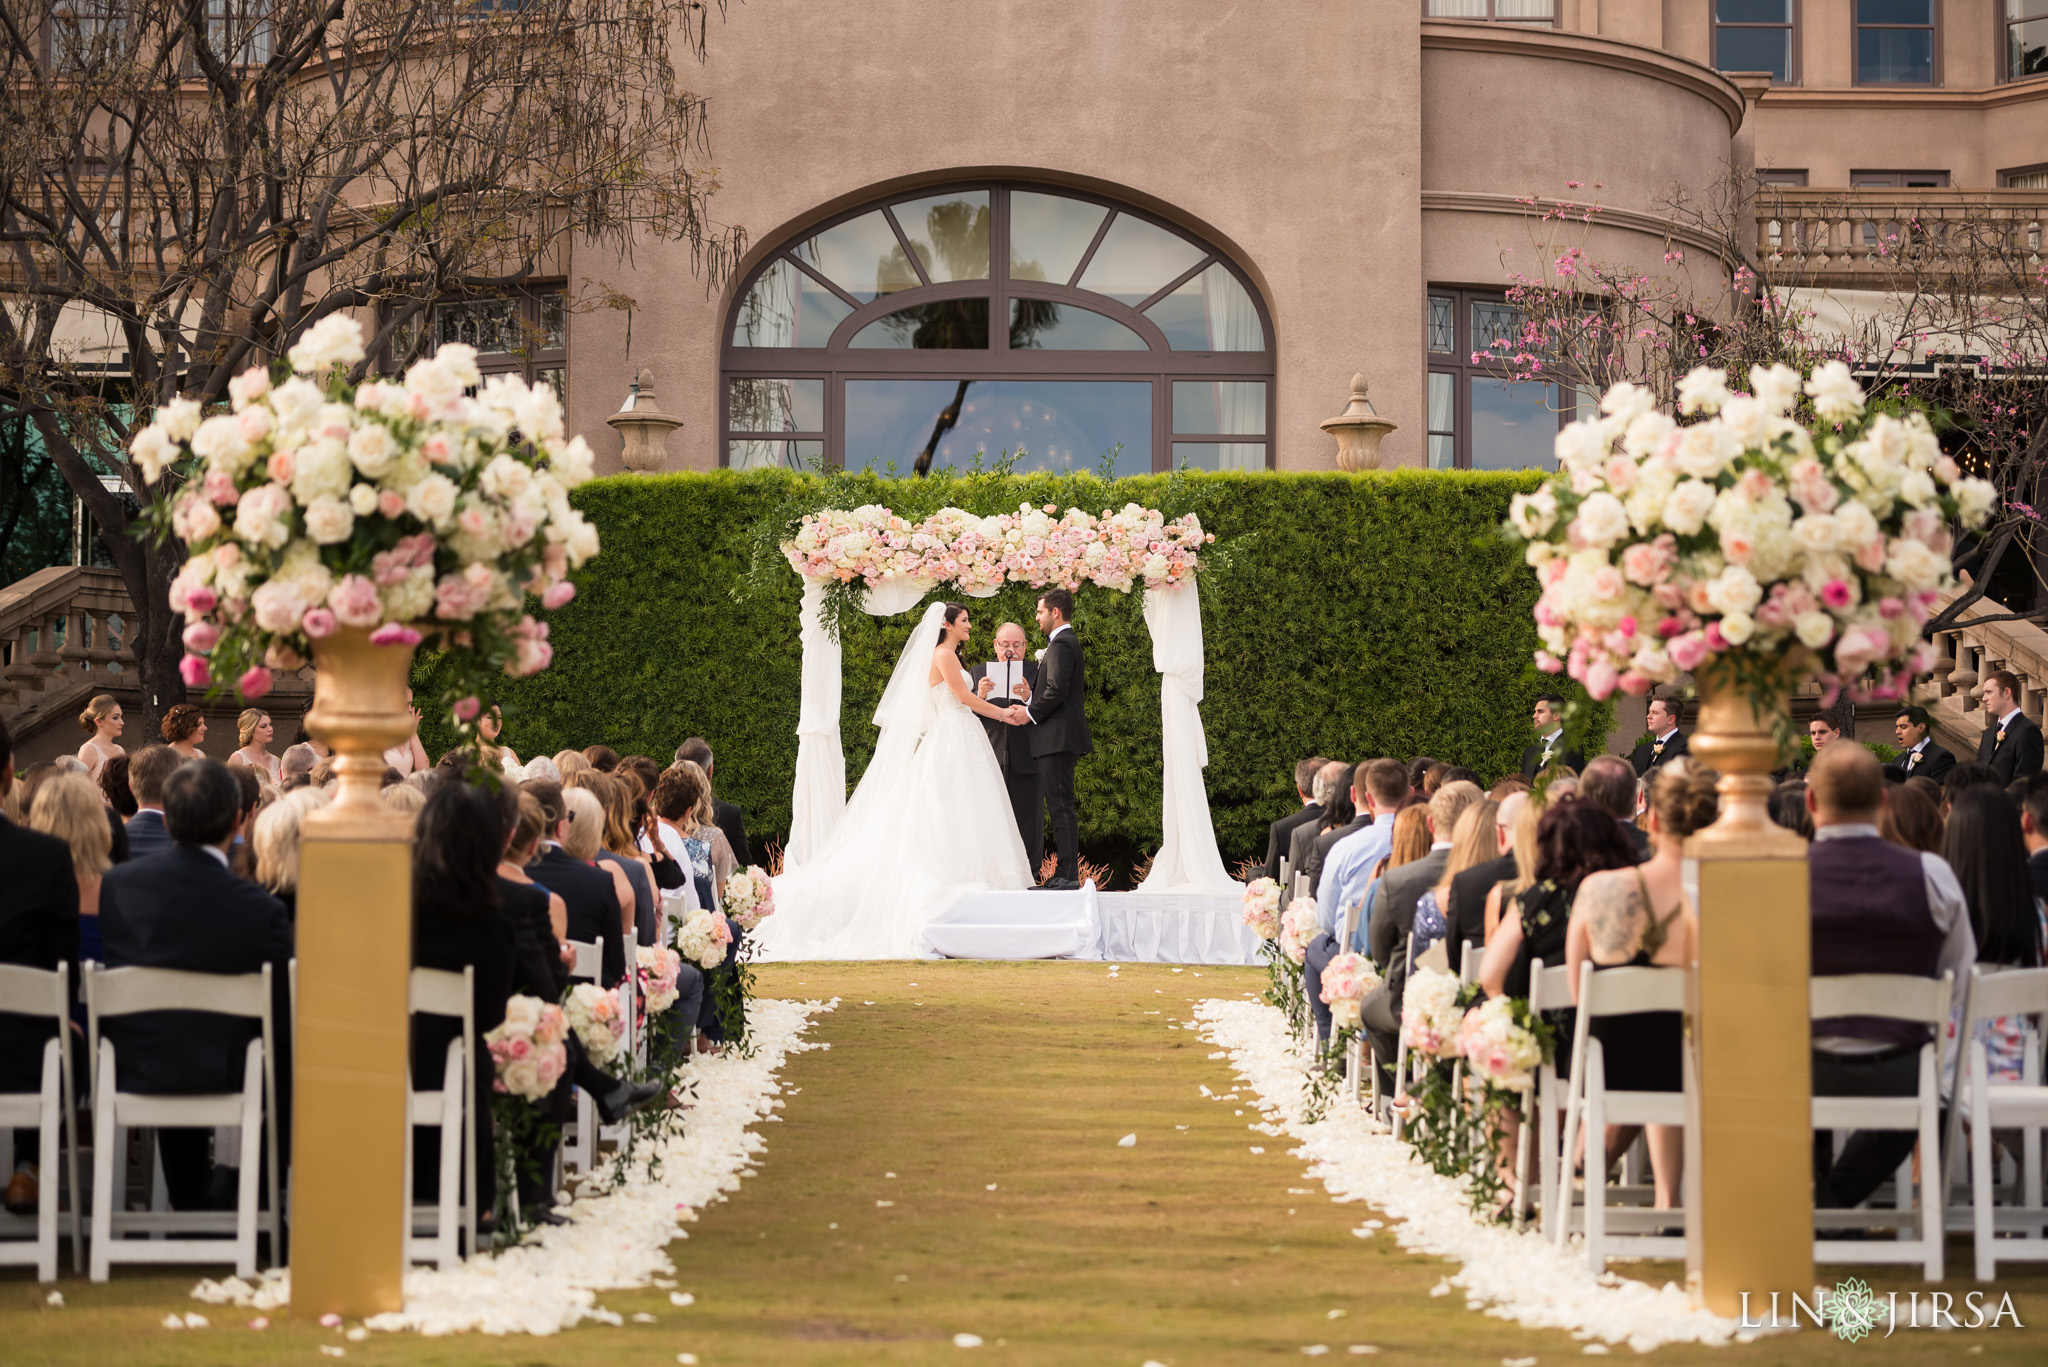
{"type": "Point", "coordinates": [1059, 734]}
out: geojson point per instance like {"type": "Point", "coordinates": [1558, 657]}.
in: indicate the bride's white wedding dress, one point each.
{"type": "Point", "coordinates": [930, 820]}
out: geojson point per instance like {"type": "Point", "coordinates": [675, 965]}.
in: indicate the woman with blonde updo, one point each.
{"type": "Point", "coordinates": [1639, 918]}
{"type": "Point", "coordinates": [184, 727]}
{"type": "Point", "coordinates": [253, 729]}
{"type": "Point", "coordinates": [103, 722]}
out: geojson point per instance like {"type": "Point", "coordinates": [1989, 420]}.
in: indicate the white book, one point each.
{"type": "Point", "coordinates": [1006, 675]}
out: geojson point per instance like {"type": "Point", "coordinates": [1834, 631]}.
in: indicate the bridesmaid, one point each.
{"type": "Point", "coordinates": [255, 731]}
{"type": "Point", "coordinates": [102, 720]}
{"type": "Point", "coordinates": [184, 727]}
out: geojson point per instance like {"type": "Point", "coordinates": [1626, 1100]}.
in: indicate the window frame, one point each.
{"type": "Point", "coordinates": [528, 364]}
{"type": "Point", "coordinates": [1459, 365]}
{"type": "Point", "coordinates": [837, 362]}
{"type": "Point", "coordinates": [2005, 27]}
{"type": "Point", "coordinates": [2008, 176]}
{"type": "Point", "coordinates": [1795, 69]}
{"type": "Point", "coordinates": [109, 13]}
{"type": "Point", "coordinates": [1556, 17]}
{"type": "Point", "coordinates": [1934, 63]}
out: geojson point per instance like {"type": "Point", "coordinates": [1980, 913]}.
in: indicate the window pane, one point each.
{"type": "Point", "coordinates": [1048, 234]}
{"type": "Point", "coordinates": [1210, 312]}
{"type": "Point", "coordinates": [1894, 56]}
{"type": "Point", "coordinates": [1234, 406]}
{"type": "Point", "coordinates": [1042, 325]}
{"type": "Point", "coordinates": [775, 455]}
{"type": "Point", "coordinates": [1443, 452]}
{"type": "Point", "coordinates": [1495, 322]}
{"type": "Point", "coordinates": [489, 325]}
{"type": "Point", "coordinates": [787, 308]}
{"type": "Point", "coordinates": [942, 325]}
{"type": "Point", "coordinates": [555, 378]}
{"type": "Point", "coordinates": [1060, 425]}
{"type": "Point", "coordinates": [1514, 426]}
{"type": "Point", "coordinates": [2027, 49]}
{"type": "Point", "coordinates": [949, 233]}
{"type": "Point", "coordinates": [1753, 12]}
{"type": "Point", "coordinates": [1136, 259]}
{"type": "Point", "coordinates": [1442, 317]}
{"type": "Point", "coordinates": [776, 406]}
{"type": "Point", "coordinates": [1524, 9]}
{"type": "Point", "coordinates": [554, 321]}
{"type": "Point", "coordinates": [1755, 49]}
{"type": "Point", "coordinates": [1895, 11]}
{"type": "Point", "coordinates": [861, 256]}
{"type": "Point", "coordinates": [1210, 455]}
{"type": "Point", "coordinates": [1456, 9]}
{"type": "Point", "coordinates": [1443, 402]}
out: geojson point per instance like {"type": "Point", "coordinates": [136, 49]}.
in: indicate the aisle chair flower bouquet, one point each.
{"type": "Point", "coordinates": [704, 938]}
{"type": "Point", "coordinates": [529, 1053]}
{"type": "Point", "coordinates": [1261, 900]}
{"type": "Point", "coordinates": [1297, 927]}
{"type": "Point", "coordinates": [406, 508]}
{"type": "Point", "coordinates": [595, 1016]}
{"type": "Point", "coordinates": [749, 896]}
{"type": "Point", "coordinates": [1729, 536]}
{"type": "Point", "coordinates": [658, 967]}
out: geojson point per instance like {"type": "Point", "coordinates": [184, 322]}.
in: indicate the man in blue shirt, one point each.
{"type": "Point", "coordinates": [1382, 784]}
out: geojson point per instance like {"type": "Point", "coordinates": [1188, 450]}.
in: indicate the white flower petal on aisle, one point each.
{"type": "Point", "coordinates": [616, 1239]}
{"type": "Point", "coordinates": [1518, 1277]}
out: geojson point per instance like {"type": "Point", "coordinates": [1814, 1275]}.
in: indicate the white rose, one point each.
{"type": "Point", "coordinates": [1601, 521]}
{"type": "Point", "coordinates": [1777, 388]}
{"type": "Point", "coordinates": [1581, 445]}
{"type": "Point", "coordinates": [577, 462]}
{"type": "Point", "coordinates": [505, 478]}
{"type": "Point", "coordinates": [1748, 421]}
{"type": "Point", "coordinates": [1814, 629]}
{"type": "Point", "coordinates": [362, 499]}
{"type": "Point", "coordinates": [1734, 590]}
{"type": "Point", "coordinates": [1914, 564]}
{"type": "Point", "coordinates": [1703, 391]}
{"type": "Point", "coordinates": [1836, 395]}
{"type": "Point", "coordinates": [1627, 401]}
{"type": "Point", "coordinates": [151, 451]}
{"type": "Point", "coordinates": [1917, 488]}
{"type": "Point", "coordinates": [260, 516]}
{"type": "Point", "coordinates": [1855, 525]}
{"type": "Point", "coordinates": [1645, 433]}
{"type": "Point", "coordinates": [220, 444]}
{"type": "Point", "coordinates": [336, 339]}
{"type": "Point", "coordinates": [1533, 514]}
{"type": "Point", "coordinates": [322, 469]}
{"type": "Point", "coordinates": [180, 418]}
{"type": "Point", "coordinates": [329, 520]}
{"type": "Point", "coordinates": [372, 448]}
{"type": "Point", "coordinates": [433, 500]}
{"type": "Point", "coordinates": [297, 404]}
{"type": "Point", "coordinates": [1737, 627]}
{"type": "Point", "coordinates": [1705, 449]}
{"type": "Point", "coordinates": [1816, 532]}
{"type": "Point", "coordinates": [1685, 512]}
{"type": "Point", "coordinates": [1975, 499]}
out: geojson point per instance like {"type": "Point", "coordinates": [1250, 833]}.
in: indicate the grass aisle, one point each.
{"type": "Point", "coordinates": [1185, 1249]}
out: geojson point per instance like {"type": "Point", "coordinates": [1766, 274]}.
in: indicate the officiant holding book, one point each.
{"type": "Point", "coordinates": [1007, 679]}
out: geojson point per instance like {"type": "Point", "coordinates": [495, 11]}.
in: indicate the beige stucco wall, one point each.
{"type": "Point", "coordinates": [1288, 133]}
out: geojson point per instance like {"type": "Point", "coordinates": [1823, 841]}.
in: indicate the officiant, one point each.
{"type": "Point", "coordinates": [1012, 744]}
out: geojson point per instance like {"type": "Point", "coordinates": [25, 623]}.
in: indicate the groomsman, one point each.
{"type": "Point", "coordinates": [1666, 741]}
{"type": "Point", "coordinates": [1918, 754]}
{"type": "Point", "coordinates": [1012, 744]}
{"type": "Point", "coordinates": [1548, 719]}
{"type": "Point", "coordinates": [2012, 743]}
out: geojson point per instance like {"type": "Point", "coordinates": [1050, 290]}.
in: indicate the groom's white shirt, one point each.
{"type": "Point", "coordinates": [1063, 626]}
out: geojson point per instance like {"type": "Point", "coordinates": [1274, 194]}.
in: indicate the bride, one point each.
{"type": "Point", "coordinates": [930, 820]}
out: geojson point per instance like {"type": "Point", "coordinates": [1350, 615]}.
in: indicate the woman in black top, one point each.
{"type": "Point", "coordinates": [1574, 838]}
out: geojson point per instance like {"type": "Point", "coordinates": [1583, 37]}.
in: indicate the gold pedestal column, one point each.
{"type": "Point", "coordinates": [349, 1203]}
{"type": "Point", "coordinates": [1749, 1136]}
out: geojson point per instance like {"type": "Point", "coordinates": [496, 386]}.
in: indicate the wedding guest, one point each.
{"type": "Point", "coordinates": [1474, 883]}
{"type": "Point", "coordinates": [617, 849]}
{"type": "Point", "coordinates": [1334, 796]}
{"type": "Point", "coordinates": [1966, 775]}
{"type": "Point", "coordinates": [1823, 732]}
{"type": "Point", "coordinates": [1608, 781]}
{"type": "Point", "coordinates": [1919, 755]}
{"type": "Point", "coordinates": [1987, 849]}
{"type": "Point", "coordinates": [540, 919]}
{"type": "Point", "coordinates": [1875, 908]}
{"type": "Point", "coordinates": [184, 728]}
{"type": "Point", "coordinates": [1418, 769]}
{"type": "Point", "coordinates": [2012, 742]}
{"type": "Point", "coordinates": [1547, 716]}
{"type": "Point", "coordinates": [404, 797]}
{"type": "Point", "coordinates": [1280, 832]}
{"type": "Point", "coordinates": [1472, 842]}
{"type": "Point", "coordinates": [1433, 778]}
{"type": "Point", "coordinates": [38, 929]}
{"type": "Point", "coordinates": [583, 839]}
{"type": "Point", "coordinates": [2034, 826]}
{"type": "Point", "coordinates": [1788, 807]}
{"type": "Point", "coordinates": [570, 763]}
{"type": "Point", "coordinates": [489, 727]}
{"type": "Point", "coordinates": [147, 770]}
{"type": "Point", "coordinates": [602, 758]}
{"type": "Point", "coordinates": [724, 815]}
{"type": "Point", "coordinates": [1351, 862]}
{"type": "Point", "coordinates": [1641, 918]}
{"type": "Point", "coordinates": [1910, 818]}
{"type": "Point", "coordinates": [1522, 843]}
{"type": "Point", "coordinates": [590, 894]}
{"type": "Point", "coordinates": [103, 723]}
{"type": "Point", "coordinates": [644, 768]}
{"type": "Point", "coordinates": [1508, 787]}
{"type": "Point", "coordinates": [1929, 788]}
{"type": "Point", "coordinates": [682, 800]}
{"type": "Point", "coordinates": [255, 730]}
{"type": "Point", "coordinates": [409, 755]}
{"type": "Point", "coordinates": [181, 908]}
{"type": "Point", "coordinates": [1458, 773]}
{"type": "Point", "coordinates": [298, 762]}
{"type": "Point", "coordinates": [1393, 912]}
{"type": "Point", "coordinates": [114, 787]}
{"type": "Point", "coordinates": [1351, 814]}
{"type": "Point", "coordinates": [542, 769]}
{"type": "Point", "coordinates": [1665, 741]}
{"type": "Point", "coordinates": [1574, 838]}
{"type": "Point", "coordinates": [241, 860]}
{"type": "Point", "coordinates": [275, 840]}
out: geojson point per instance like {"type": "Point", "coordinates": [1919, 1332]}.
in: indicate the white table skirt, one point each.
{"type": "Point", "coordinates": [1139, 926]}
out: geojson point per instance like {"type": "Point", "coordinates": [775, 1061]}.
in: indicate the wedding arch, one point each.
{"type": "Point", "coordinates": [891, 564]}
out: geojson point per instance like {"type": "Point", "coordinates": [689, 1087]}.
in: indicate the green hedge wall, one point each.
{"type": "Point", "coordinates": [1357, 615]}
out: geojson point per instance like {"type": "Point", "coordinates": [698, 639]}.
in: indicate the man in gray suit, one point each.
{"type": "Point", "coordinates": [1393, 916]}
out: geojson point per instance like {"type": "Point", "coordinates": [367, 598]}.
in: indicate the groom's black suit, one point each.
{"type": "Point", "coordinates": [1058, 738]}
{"type": "Point", "coordinates": [1012, 745]}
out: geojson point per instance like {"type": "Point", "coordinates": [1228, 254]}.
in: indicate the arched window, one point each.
{"type": "Point", "coordinates": [947, 326]}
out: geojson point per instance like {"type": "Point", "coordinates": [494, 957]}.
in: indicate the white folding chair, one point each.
{"type": "Point", "coordinates": [579, 1145]}
{"type": "Point", "coordinates": [436, 1233]}
{"type": "Point", "coordinates": [1626, 1230]}
{"type": "Point", "coordinates": [1922, 1001]}
{"type": "Point", "coordinates": [1549, 990]}
{"type": "Point", "coordinates": [112, 992]}
{"type": "Point", "coordinates": [1991, 1106]}
{"type": "Point", "coordinates": [49, 1111]}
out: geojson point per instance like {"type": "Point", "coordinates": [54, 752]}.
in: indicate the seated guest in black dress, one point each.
{"type": "Point", "coordinates": [590, 892]}
{"type": "Point", "coordinates": [1637, 918]}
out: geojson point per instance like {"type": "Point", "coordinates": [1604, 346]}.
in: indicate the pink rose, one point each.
{"type": "Point", "coordinates": [466, 709]}
{"type": "Point", "coordinates": [355, 601]}
{"type": "Point", "coordinates": [1601, 677]}
{"type": "Point", "coordinates": [219, 488]}
{"type": "Point", "coordinates": [1754, 484]}
{"type": "Point", "coordinates": [1643, 563]}
{"type": "Point", "coordinates": [1549, 663]}
{"type": "Point", "coordinates": [1688, 651]}
{"type": "Point", "coordinates": [254, 683]}
{"type": "Point", "coordinates": [201, 600]}
{"type": "Point", "coordinates": [1835, 593]}
{"type": "Point", "coordinates": [558, 595]}
{"type": "Point", "coordinates": [1889, 607]}
{"type": "Point", "coordinates": [519, 1048]}
{"type": "Point", "coordinates": [201, 637]}
{"type": "Point", "coordinates": [1634, 684]}
{"type": "Point", "coordinates": [1715, 641]}
{"type": "Point", "coordinates": [281, 466]}
{"type": "Point", "coordinates": [436, 449]}
{"type": "Point", "coordinates": [390, 503]}
{"type": "Point", "coordinates": [318, 622]}
{"type": "Point", "coordinates": [193, 669]}
{"type": "Point", "coordinates": [394, 634]}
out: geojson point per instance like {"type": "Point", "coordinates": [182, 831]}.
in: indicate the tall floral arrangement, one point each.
{"type": "Point", "coordinates": [1734, 532]}
{"type": "Point", "coordinates": [405, 507]}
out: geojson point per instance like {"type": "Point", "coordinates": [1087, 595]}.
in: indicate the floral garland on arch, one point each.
{"type": "Point", "coordinates": [1732, 540]}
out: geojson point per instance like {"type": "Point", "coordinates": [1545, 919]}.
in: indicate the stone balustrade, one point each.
{"type": "Point", "coordinates": [1851, 237]}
